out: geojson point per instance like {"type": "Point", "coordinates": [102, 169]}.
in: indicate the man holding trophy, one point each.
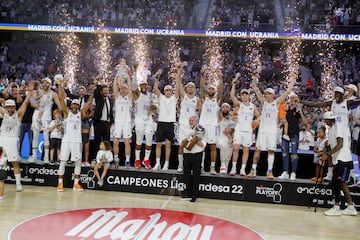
{"type": "Point", "coordinates": [194, 146]}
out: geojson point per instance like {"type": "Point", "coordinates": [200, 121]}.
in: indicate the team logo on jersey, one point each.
{"type": "Point", "coordinates": [130, 223]}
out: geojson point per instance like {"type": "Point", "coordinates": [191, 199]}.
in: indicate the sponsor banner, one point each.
{"type": "Point", "coordinates": [181, 32]}
{"type": "Point", "coordinates": [130, 223]}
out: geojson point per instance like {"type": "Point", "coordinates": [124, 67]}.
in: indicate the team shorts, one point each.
{"type": "Point", "coordinates": [243, 138]}
{"type": "Point", "coordinates": [266, 141]}
{"type": "Point", "coordinates": [165, 131]}
{"type": "Point", "coordinates": [10, 146]}
{"type": "Point", "coordinates": [71, 148]}
{"type": "Point", "coordinates": [123, 129]}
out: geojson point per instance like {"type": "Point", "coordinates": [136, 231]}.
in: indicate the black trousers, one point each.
{"type": "Point", "coordinates": [101, 132]}
{"type": "Point", "coordinates": [192, 171]}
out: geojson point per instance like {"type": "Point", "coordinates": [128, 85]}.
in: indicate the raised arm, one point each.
{"type": "Point", "coordinates": [62, 96]}
{"type": "Point", "coordinates": [257, 92]}
{"type": "Point", "coordinates": [87, 105]}
{"type": "Point", "coordinates": [282, 98]}
{"type": "Point", "coordinates": [220, 86]}
{"type": "Point", "coordinates": [235, 101]}
{"type": "Point", "coordinates": [179, 84]}
{"type": "Point", "coordinates": [134, 83]}
{"type": "Point", "coordinates": [202, 82]}
{"type": "Point", "coordinates": [116, 84]}
{"type": "Point", "coordinates": [156, 89]}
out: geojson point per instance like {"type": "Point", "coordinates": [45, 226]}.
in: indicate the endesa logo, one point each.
{"type": "Point", "coordinates": [129, 223]}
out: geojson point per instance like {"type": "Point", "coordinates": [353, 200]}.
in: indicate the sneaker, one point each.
{"type": "Point", "coordinates": [293, 176]}
{"type": "Point", "coordinates": [78, 187]}
{"type": "Point", "coordinates": [328, 178]}
{"type": "Point", "coordinates": [60, 187]}
{"type": "Point", "coordinates": [222, 170]}
{"type": "Point", "coordinates": [252, 173]}
{"type": "Point", "coordinates": [193, 200]}
{"type": "Point", "coordinates": [117, 159]}
{"type": "Point", "coordinates": [334, 211]}
{"type": "Point", "coordinates": [19, 187]}
{"type": "Point", "coordinates": [127, 165]}
{"type": "Point", "coordinates": [32, 159]}
{"type": "Point", "coordinates": [137, 164]}
{"type": "Point", "coordinates": [166, 166]}
{"type": "Point", "coordinates": [232, 172]}
{"type": "Point", "coordinates": [349, 211]}
{"type": "Point", "coordinates": [242, 173]}
{"type": "Point", "coordinates": [157, 167]}
{"type": "Point", "coordinates": [202, 171]}
{"type": "Point", "coordinates": [269, 175]}
{"type": "Point", "coordinates": [185, 198]}
{"type": "Point", "coordinates": [212, 171]}
{"type": "Point", "coordinates": [286, 137]}
{"type": "Point", "coordinates": [147, 164]}
{"type": "Point", "coordinates": [46, 159]}
{"type": "Point", "coordinates": [100, 182]}
{"type": "Point", "coordinates": [180, 170]}
{"type": "Point", "coordinates": [284, 175]}
{"type": "Point", "coordinates": [52, 162]}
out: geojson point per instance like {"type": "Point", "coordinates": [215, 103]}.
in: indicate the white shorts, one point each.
{"type": "Point", "coordinates": [123, 129]}
{"type": "Point", "coordinates": [67, 148]}
{"type": "Point", "coordinates": [243, 138]}
{"type": "Point", "coordinates": [224, 142]}
{"type": "Point", "coordinates": [144, 126]}
{"type": "Point", "coordinates": [266, 141]}
{"type": "Point", "coordinates": [183, 130]}
{"type": "Point", "coordinates": [11, 148]}
{"type": "Point", "coordinates": [211, 133]}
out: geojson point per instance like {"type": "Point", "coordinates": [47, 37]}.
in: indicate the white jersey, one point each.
{"type": "Point", "coordinates": [344, 154]}
{"type": "Point", "coordinates": [209, 112]}
{"type": "Point", "coordinates": [188, 108]}
{"type": "Point", "coordinates": [167, 108]}
{"type": "Point", "coordinates": [72, 128]}
{"type": "Point", "coordinates": [142, 105]}
{"type": "Point", "coordinates": [269, 118]}
{"type": "Point", "coordinates": [341, 113]}
{"type": "Point", "coordinates": [123, 107]}
{"type": "Point", "coordinates": [46, 103]}
{"type": "Point", "coordinates": [245, 117]}
{"type": "Point", "coordinates": [10, 125]}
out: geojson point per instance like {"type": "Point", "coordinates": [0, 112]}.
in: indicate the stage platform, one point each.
{"type": "Point", "coordinates": [260, 189]}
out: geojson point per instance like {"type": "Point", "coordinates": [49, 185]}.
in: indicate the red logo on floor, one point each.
{"type": "Point", "coordinates": [129, 223]}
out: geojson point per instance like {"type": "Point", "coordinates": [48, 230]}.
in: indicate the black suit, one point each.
{"type": "Point", "coordinates": [101, 128]}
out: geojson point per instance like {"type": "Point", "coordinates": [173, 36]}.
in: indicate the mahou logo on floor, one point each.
{"type": "Point", "coordinates": [129, 224]}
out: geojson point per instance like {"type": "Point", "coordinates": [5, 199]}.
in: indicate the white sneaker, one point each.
{"type": "Point", "coordinates": [286, 137]}
{"type": "Point", "coordinates": [202, 171]}
{"type": "Point", "coordinates": [350, 211]}
{"type": "Point", "coordinates": [232, 172]}
{"type": "Point", "coordinates": [284, 175]}
{"type": "Point", "coordinates": [166, 166]}
{"type": "Point", "coordinates": [100, 182]}
{"type": "Point", "coordinates": [328, 177]}
{"type": "Point", "coordinates": [180, 170]}
{"type": "Point", "coordinates": [32, 159]}
{"type": "Point", "coordinates": [46, 159]}
{"type": "Point", "coordinates": [293, 176]}
{"type": "Point", "coordinates": [19, 187]}
{"type": "Point", "coordinates": [242, 172]}
{"type": "Point", "coordinates": [157, 167]}
{"type": "Point", "coordinates": [334, 211]}
{"type": "Point", "coordinates": [212, 171]}
{"type": "Point", "coordinates": [223, 170]}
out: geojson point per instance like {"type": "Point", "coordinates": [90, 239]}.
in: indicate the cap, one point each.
{"type": "Point", "coordinates": [168, 87]}
{"type": "Point", "coordinates": [352, 86]}
{"type": "Point", "coordinates": [58, 77]}
{"type": "Point", "coordinates": [124, 85]}
{"type": "Point", "coordinates": [190, 84]}
{"type": "Point", "coordinates": [225, 104]}
{"type": "Point", "coordinates": [75, 101]}
{"type": "Point", "coordinates": [143, 81]}
{"type": "Point", "coordinates": [10, 103]}
{"type": "Point", "coordinates": [329, 115]}
{"type": "Point", "coordinates": [47, 80]}
{"type": "Point", "coordinates": [212, 86]}
{"type": "Point", "coordinates": [247, 91]}
{"type": "Point", "coordinates": [292, 94]}
{"type": "Point", "coordinates": [269, 90]}
{"type": "Point", "coordinates": [82, 87]}
{"type": "Point", "coordinates": [340, 90]}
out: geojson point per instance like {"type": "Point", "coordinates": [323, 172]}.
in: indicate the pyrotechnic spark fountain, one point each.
{"type": "Point", "coordinates": [214, 56]}
{"type": "Point", "coordinates": [173, 51]}
{"type": "Point", "coordinates": [140, 54]}
{"type": "Point", "coordinates": [254, 64]}
{"type": "Point", "coordinates": [103, 53]}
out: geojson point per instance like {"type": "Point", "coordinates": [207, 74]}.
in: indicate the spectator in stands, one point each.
{"type": "Point", "coordinates": [304, 139]}
{"type": "Point", "coordinates": [103, 159]}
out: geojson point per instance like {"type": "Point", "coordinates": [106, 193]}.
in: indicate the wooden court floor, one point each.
{"type": "Point", "coordinates": [272, 221]}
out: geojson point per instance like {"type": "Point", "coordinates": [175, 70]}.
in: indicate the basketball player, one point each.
{"type": "Point", "coordinates": [209, 113]}
{"type": "Point", "coordinates": [225, 139]}
{"type": "Point", "coordinates": [48, 97]}
{"type": "Point", "coordinates": [122, 118]}
{"type": "Point", "coordinates": [71, 144]}
{"type": "Point", "coordinates": [266, 139]}
{"type": "Point", "coordinates": [144, 123]}
{"type": "Point", "coordinates": [190, 104]}
{"type": "Point", "coordinates": [245, 111]}
{"type": "Point", "coordinates": [9, 133]}
{"type": "Point", "coordinates": [166, 120]}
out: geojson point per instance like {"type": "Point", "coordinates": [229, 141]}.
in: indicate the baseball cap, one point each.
{"type": "Point", "coordinates": [269, 90]}
{"type": "Point", "coordinates": [212, 86]}
{"type": "Point", "coordinates": [340, 90]}
{"type": "Point", "coordinates": [10, 103]}
{"type": "Point", "coordinates": [143, 81]}
{"type": "Point", "coordinates": [75, 101]}
{"type": "Point", "coordinates": [329, 115]}
{"type": "Point", "coordinates": [352, 86]}
{"type": "Point", "coordinates": [47, 80]}
{"type": "Point", "coordinates": [168, 87]}
{"type": "Point", "coordinates": [247, 91]}
{"type": "Point", "coordinates": [225, 104]}
{"type": "Point", "coordinates": [292, 94]}
{"type": "Point", "coordinates": [190, 84]}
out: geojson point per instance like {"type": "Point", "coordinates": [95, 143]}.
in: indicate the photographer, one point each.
{"type": "Point", "coordinates": [194, 146]}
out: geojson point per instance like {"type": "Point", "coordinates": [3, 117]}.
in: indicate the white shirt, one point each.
{"type": "Point", "coordinates": [101, 154]}
{"type": "Point", "coordinates": [123, 107]}
{"type": "Point", "coordinates": [55, 133]}
{"type": "Point", "coordinates": [46, 103]}
{"type": "Point", "coordinates": [245, 117]}
{"type": "Point", "coordinates": [269, 118]}
{"type": "Point", "coordinates": [344, 154]}
{"type": "Point", "coordinates": [167, 108]}
{"type": "Point", "coordinates": [142, 105]}
{"type": "Point", "coordinates": [72, 128]}
{"type": "Point", "coordinates": [304, 140]}
{"type": "Point", "coordinates": [188, 108]}
{"type": "Point", "coordinates": [196, 148]}
{"type": "Point", "coordinates": [209, 112]}
{"type": "Point", "coordinates": [10, 125]}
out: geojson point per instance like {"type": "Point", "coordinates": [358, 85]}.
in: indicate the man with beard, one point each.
{"type": "Point", "coordinates": [340, 107]}
{"type": "Point", "coordinates": [144, 123]}
{"type": "Point", "coordinates": [48, 97]}
{"type": "Point", "coordinates": [209, 113]}
{"type": "Point", "coordinates": [190, 104]}
{"type": "Point", "coordinates": [9, 133]}
{"type": "Point", "coordinates": [243, 136]}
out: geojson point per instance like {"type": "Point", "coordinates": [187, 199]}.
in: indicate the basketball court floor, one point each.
{"type": "Point", "coordinates": [270, 221]}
